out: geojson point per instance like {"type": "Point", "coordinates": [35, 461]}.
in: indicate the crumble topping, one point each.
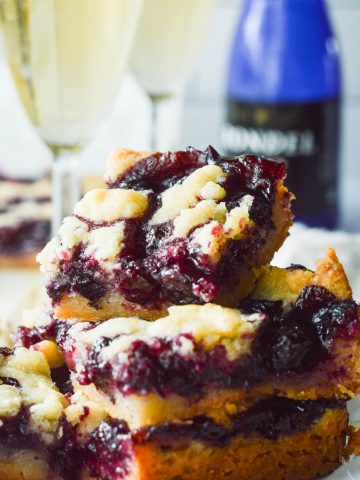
{"type": "Point", "coordinates": [32, 388]}
{"type": "Point", "coordinates": [212, 191]}
{"type": "Point", "coordinates": [212, 237]}
{"type": "Point", "coordinates": [211, 240]}
{"type": "Point", "coordinates": [10, 190]}
{"type": "Point", "coordinates": [72, 232]}
{"type": "Point", "coordinates": [102, 205]}
{"type": "Point", "coordinates": [105, 243]}
{"type": "Point", "coordinates": [238, 219]}
{"type": "Point", "coordinates": [209, 324]}
{"type": "Point", "coordinates": [121, 160]}
{"type": "Point", "coordinates": [48, 257]}
{"type": "Point", "coordinates": [10, 400]}
{"type": "Point", "coordinates": [203, 212]}
{"type": "Point", "coordinates": [25, 211]}
{"type": "Point", "coordinates": [81, 406]}
{"type": "Point", "coordinates": [188, 193]}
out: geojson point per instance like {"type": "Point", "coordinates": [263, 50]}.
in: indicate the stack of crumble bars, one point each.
{"type": "Point", "coordinates": [173, 350]}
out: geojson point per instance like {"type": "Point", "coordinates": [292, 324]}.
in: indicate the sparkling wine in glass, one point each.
{"type": "Point", "coordinates": [167, 44]}
{"type": "Point", "coordinates": [67, 58]}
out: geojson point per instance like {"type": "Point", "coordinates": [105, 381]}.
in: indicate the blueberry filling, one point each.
{"type": "Point", "coordinates": [13, 382]}
{"type": "Point", "coordinates": [82, 276]}
{"type": "Point", "coordinates": [109, 452]}
{"type": "Point", "coordinates": [154, 268]}
{"type": "Point", "coordinates": [64, 455]}
{"type": "Point", "coordinates": [111, 448]}
{"type": "Point", "coordinates": [26, 336]}
{"type": "Point", "coordinates": [61, 377]}
{"type": "Point", "coordinates": [5, 351]}
{"type": "Point", "coordinates": [300, 339]}
{"type": "Point", "coordinates": [26, 236]}
{"type": "Point", "coordinates": [296, 266]}
{"type": "Point", "coordinates": [270, 418]}
{"type": "Point", "coordinates": [15, 432]}
{"type": "Point", "coordinates": [289, 343]}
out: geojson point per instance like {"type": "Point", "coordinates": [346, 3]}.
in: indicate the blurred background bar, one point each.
{"type": "Point", "coordinates": [129, 124]}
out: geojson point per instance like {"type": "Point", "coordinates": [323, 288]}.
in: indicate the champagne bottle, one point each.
{"type": "Point", "coordinates": [284, 97]}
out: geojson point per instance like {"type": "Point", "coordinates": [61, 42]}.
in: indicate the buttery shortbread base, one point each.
{"type": "Point", "coordinates": [112, 305]}
{"type": "Point", "coordinates": [151, 409]}
{"type": "Point", "coordinates": [302, 456]}
{"type": "Point", "coordinates": [24, 465]}
{"type": "Point", "coordinates": [22, 260]}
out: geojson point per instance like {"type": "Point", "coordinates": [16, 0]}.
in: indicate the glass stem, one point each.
{"type": "Point", "coordinates": [66, 186]}
{"type": "Point", "coordinates": [155, 107]}
{"type": "Point", "coordinates": [166, 119]}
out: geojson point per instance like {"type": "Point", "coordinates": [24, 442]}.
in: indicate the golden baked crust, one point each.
{"type": "Point", "coordinates": [120, 160]}
{"type": "Point", "coordinates": [302, 456]}
{"type": "Point", "coordinates": [281, 284]}
{"type": "Point", "coordinates": [110, 306]}
{"type": "Point", "coordinates": [353, 444]}
{"type": "Point", "coordinates": [141, 411]}
{"type": "Point", "coordinates": [24, 465]}
{"type": "Point", "coordinates": [24, 260]}
{"type": "Point", "coordinates": [331, 275]}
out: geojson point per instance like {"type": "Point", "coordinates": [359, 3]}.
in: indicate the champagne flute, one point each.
{"type": "Point", "coordinates": [167, 43]}
{"type": "Point", "coordinates": [67, 58]}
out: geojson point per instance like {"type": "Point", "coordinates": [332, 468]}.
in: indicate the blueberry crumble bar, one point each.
{"type": "Point", "coordinates": [45, 435]}
{"type": "Point", "coordinates": [42, 432]}
{"type": "Point", "coordinates": [188, 227]}
{"type": "Point", "coordinates": [25, 211]}
{"type": "Point", "coordinates": [297, 336]}
{"type": "Point", "coordinates": [31, 411]}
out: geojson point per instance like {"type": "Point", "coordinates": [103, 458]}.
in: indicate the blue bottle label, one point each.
{"type": "Point", "coordinates": [306, 136]}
